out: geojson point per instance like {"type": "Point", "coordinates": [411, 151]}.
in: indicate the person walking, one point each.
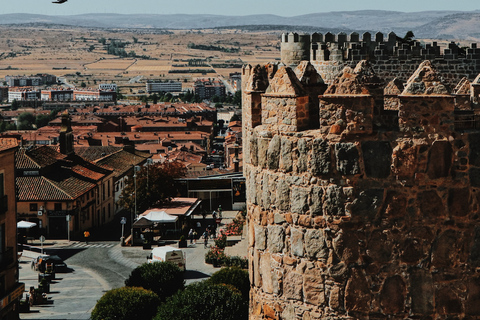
{"type": "Point", "coordinates": [205, 239]}
{"type": "Point", "coordinates": [195, 234]}
{"type": "Point", "coordinates": [86, 234]}
{"type": "Point", "coordinates": [190, 236]}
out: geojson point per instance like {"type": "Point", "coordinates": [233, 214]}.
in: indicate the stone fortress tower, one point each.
{"type": "Point", "coordinates": [363, 191]}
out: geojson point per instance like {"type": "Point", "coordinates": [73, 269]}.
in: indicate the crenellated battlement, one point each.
{"type": "Point", "coordinates": [387, 53]}
{"type": "Point", "coordinates": [363, 191]}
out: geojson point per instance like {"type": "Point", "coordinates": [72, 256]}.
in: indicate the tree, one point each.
{"type": "Point", "coordinates": [163, 278]}
{"type": "Point", "coordinates": [83, 84]}
{"type": "Point", "coordinates": [42, 120]}
{"type": "Point", "coordinates": [206, 301]}
{"type": "Point", "coordinates": [237, 98]}
{"type": "Point", "coordinates": [15, 104]}
{"type": "Point", "coordinates": [233, 276]}
{"type": "Point", "coordinates": [155, 185]}
{"type": "Point", "coordinates": [26, 120]}
{"type": "Point", "coordinates": [126, 303]}
{"type": "Point", "coordinates": [155, 98]}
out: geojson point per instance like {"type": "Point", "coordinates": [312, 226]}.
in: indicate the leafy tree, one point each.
{"type": "Point", "coordinates": [91, 48]}
{"type": "Point", "coordinates": [235, 117]}
{"type": "Point", "coordinates": [163, 278]}
{"type": "Point", "coordinates": [233, 276]}
{"type": "Point", "coordinates": [218, 105]}
{"type": "Point", "coordinates": [155, 98]}
{"type": "Point", "coordinates": [126, 303]}
{"type": "Point", "coordinates": [102, 41]}
{"type": "Point", "coordinates": [206, 301]}
{"type": "Point", "coordinates": [15, 104]}
{"type": "Point", "coordinates": [26, 120]}
{"type": "Point", "coordinates": [42, 120]}
{"type": "Point", "coordinates": [155, 185]}
{"type": "Point", "coordinates": [83, 85]}
{"type": "Point", "coordinates": [237, 98]}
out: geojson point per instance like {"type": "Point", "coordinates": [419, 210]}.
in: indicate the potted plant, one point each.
{"type": "Point", "coordinates": [147, 244]}
{"type": "Point", "coordinates": [44, 286]}
{"type": "Point", "coordinates": [182, 243]}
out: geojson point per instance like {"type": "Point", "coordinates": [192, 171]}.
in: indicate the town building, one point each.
{"type": "Point", "coordinates": [207, 88]}
{"type": "Point", "coordinates": [11, 291]}
{"type": "Point", "coordinates": [108, 87]}
{"type": "Point", "coordinates": [170, 86]}
{"type": "Point", "coordinates": [94, 95]}
{"type": "Point", "coordinates": [3, 93]}
{"type": "Point", "coordinates": [56, 94]}
{"type": "Point", "coordinates": [30, 81]}
{"type": "Point", "coordinates": [62, 192]}
{"type": "Point", "coordinates": [23, 94]}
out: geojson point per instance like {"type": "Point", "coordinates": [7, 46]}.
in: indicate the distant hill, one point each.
{"type": "Point", "coordinates": [426, 24]}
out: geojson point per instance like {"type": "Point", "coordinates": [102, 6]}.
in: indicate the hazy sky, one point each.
{"type": "Point", "coordinates": [229, 7]}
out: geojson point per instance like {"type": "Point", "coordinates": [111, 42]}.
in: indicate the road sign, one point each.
{"type": "Point", "coordinates": [123, 220]}
{"type": "Point", "coordinates": [42, 239]}
{"type": "Point", "coordinates": [218, 220]}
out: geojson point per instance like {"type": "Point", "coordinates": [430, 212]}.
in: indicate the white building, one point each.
{"type": "Point", "coordinates": [108, 87]}
{"type": "Point", "coordinates": [22, 94]}
{"type": "Point", "coordinates": [172, 86]}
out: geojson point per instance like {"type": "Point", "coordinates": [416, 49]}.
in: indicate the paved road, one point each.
{"type": "Point", "coordinates": [96, 268]}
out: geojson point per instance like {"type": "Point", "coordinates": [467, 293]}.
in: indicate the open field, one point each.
{"type": "Point", "coordinates": [81, 54]}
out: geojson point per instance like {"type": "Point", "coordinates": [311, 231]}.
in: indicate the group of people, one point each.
{"type": "Point", "coordinates": [208, 233]}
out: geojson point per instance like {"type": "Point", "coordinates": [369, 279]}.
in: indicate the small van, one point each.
{"type": "Point", "coordinates": [167, 253]}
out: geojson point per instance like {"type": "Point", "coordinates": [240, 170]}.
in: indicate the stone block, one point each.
{"type": "Point", "coordinates": [334, 204]}
{"type": "Point", "coordinates": [299, 200]}
{"type": "Point", "coordinates": [447, 301]}
{"type": "Point", "coordinates": [392, 295]}
{"type": "Point", "coordinates": [286, 161]}
{"type": "Point", "coordinates": [273, 153]}
{"type": "Point", "coordinates": [474, 256]}
{"type": "Point", "coordinates": [430, 204]}
{"type": "Point", "coordinates": [345, 245]}
{"type": "Point", "coordinates": [282, 195]}
{"type": "Point", "coordinates": [335, 301]}
{"type": "Point", "coordinates": [262, 151]}
{"type": "Point", "coordinates": [357, 293]}
{"type": "Point", "coordinates": [278, 218]}
{"type": "Point", "coordinates": [313, 287]}
{"type": "Point", "coordinates": [445, 249]}
{"type": "Point", "coordinates": [379, 248]}
{"type": "Point", "coordinates": [296, 242]}
{"type": "Point", "coordinates": [367, 204]}
{"type": "Point", "coordinates": [474, 175]}
{"type": "Point", "coordinates": [266, 198]}
{"type": "Point", "coordinates": [315, 245]}
{"type": "Point", "coordinates": [254, 149]}
{"type": "Point", "coordinates": [346, 155]}
{"type": "Point", "coordinates": [421, 292]}
{"type": "Point", "coordinates": [321, 158]}
{"type": "Point", "coordinates": [472, 307]}
{"type": "Point", "coordinates": [302, 163]}
{"type": "Point", "coordinates": [266, 273]}
{"type": "Point", "coordinates": [316, 201]}
{"type": "Point", "coordinates": [377, 158]}
{"type": "Point", "coordinates": [440, 158]}
{"type": "Point", "coordinates": [275, 239]}
{"type": "Point", "coordinates": [293, 286]}
{"type": "Point", "coordinates": [260, 238]}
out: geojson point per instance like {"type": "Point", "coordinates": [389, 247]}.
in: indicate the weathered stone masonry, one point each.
{"type": "Point", "coordinates": [363, 196]}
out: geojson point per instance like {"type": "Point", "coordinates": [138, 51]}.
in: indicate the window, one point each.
{"type": "Point", "coordinates": [58, 207]}
{"type": "Point", "coordinates": [33, 207]}
{"type": "Point", "coordinates": [108, 192]}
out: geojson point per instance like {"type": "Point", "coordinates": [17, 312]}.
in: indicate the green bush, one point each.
{"type": "Point", "coordinates": [163, 278]}
{"type": "Point", "coordinates": [233, 276]}
{"type": "Point", "coordinates": [204, 301]}
{"type": "Point", "coordinates": [126, 304]}
{"type": "Point", "coordinates": [235, 261]}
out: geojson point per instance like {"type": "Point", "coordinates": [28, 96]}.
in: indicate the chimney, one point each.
{"type": "Point", "coordinates": [66, 135]}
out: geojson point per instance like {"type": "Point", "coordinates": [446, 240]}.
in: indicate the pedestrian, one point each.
{"type": "Point", "coordinates": [190, 236]}
{"type": "Point", "coordinates": [205, 239]}
{"type": "Point", "coordinates": [195, 234]}
{"type": "Point", "coordinates": [220, 211]}
{"type": "Point", "coordinates": [86, 234]}
{"type": "Point", "coordinates": [214, 215]}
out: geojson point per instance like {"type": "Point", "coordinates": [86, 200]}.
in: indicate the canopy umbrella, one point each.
{"type": "Point", "coordinates": [25, 224]}
{"type": "Point", "coordinates": [142, 223]}
{"type": "Point", "coordinates": [159, 216]}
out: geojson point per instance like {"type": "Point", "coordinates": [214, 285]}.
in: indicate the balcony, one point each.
{"type": "Point", "coordinates": [6, 258]}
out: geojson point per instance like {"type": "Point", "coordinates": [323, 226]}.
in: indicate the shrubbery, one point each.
{"type": "Point", "coordinates": [126, 303]}
{"type": "Point", "coordinates": [163, 278]}
{"type": "Point", "coordinates": [206, 301]}
{"type": "Point", "coordinates": [233, 276]}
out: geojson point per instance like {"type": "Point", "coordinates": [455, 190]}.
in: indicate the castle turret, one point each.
{"type": "Point", "coordinates": [295, 48]}
{"type": "Point", "coordinates": [66, 135]}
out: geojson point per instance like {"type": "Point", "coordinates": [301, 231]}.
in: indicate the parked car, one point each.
{"type": "Point", "coordinates": [58, 264]}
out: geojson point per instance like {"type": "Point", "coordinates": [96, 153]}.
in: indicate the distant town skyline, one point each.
{"type": "Point", "coordinates": [218, 7]}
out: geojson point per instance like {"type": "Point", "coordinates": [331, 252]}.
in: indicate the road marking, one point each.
{"type": "Point", "coordinates": [93, 245]}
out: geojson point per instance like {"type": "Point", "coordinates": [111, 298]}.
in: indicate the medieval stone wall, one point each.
{"type": "Point", "coordinates": [372, 212]}
{"type": "Point", "coordinates": [391, 56]}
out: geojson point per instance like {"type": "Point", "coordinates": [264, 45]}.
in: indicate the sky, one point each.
{"type": "Point", "coordinates": [229, 7]}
